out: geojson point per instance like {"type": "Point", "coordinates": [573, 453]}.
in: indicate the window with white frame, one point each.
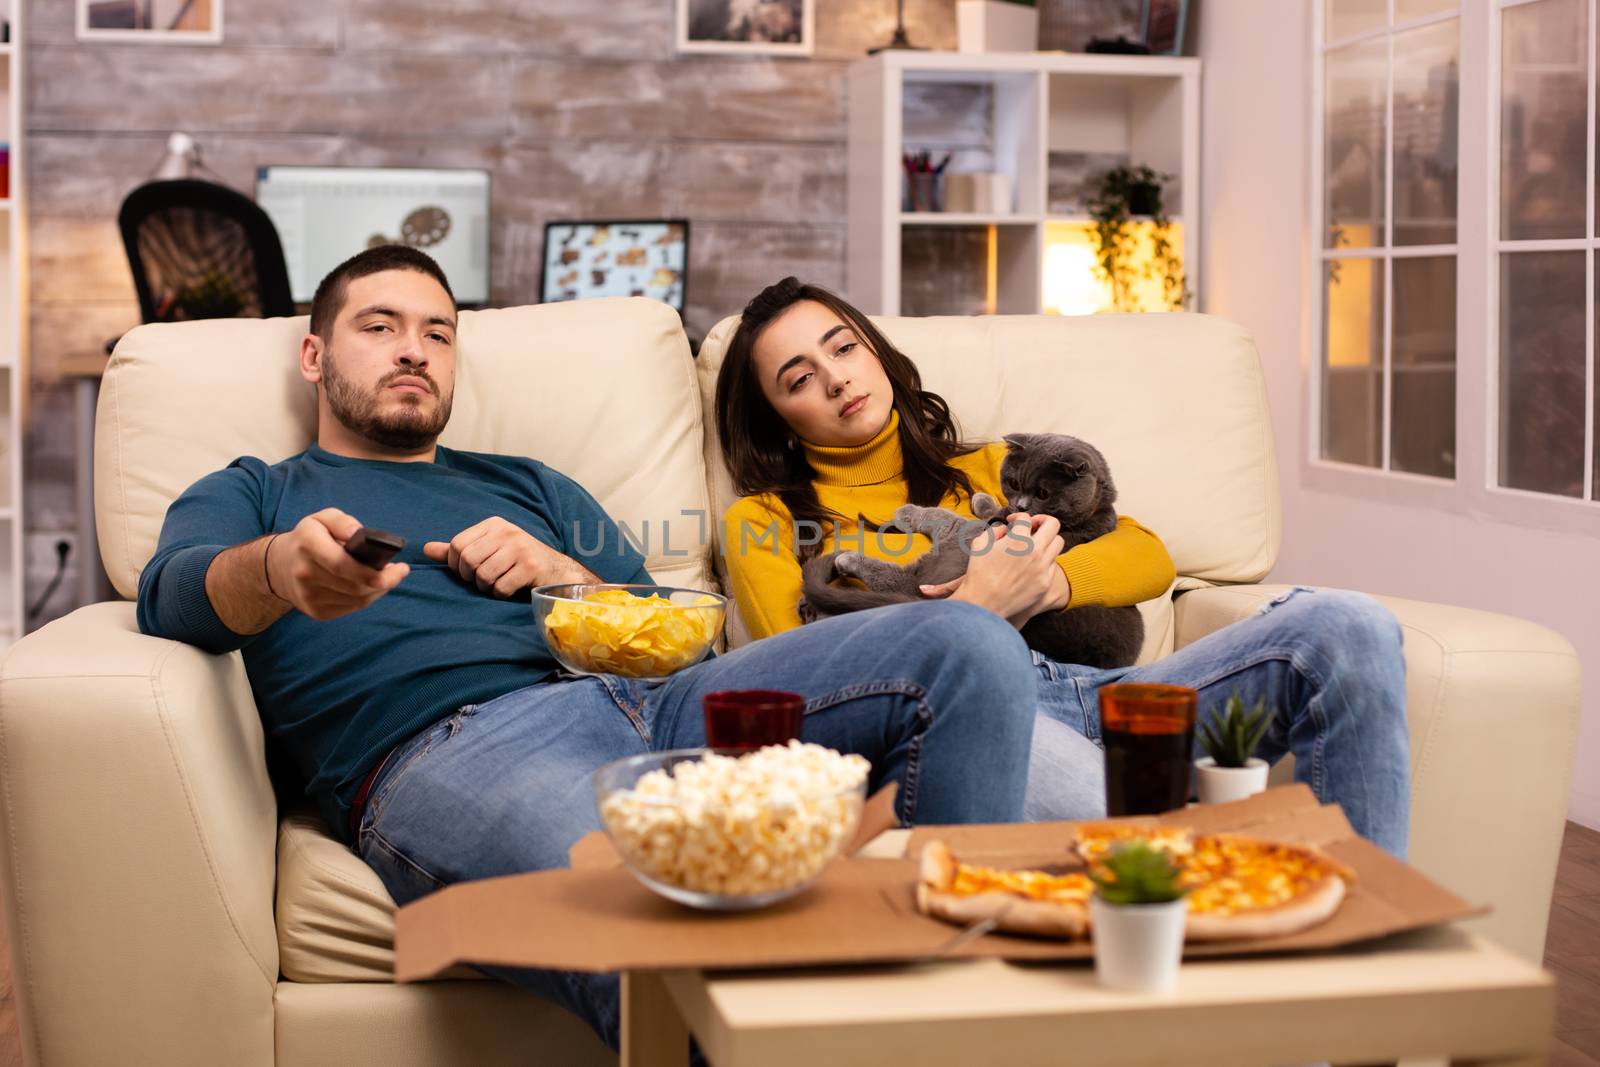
{"type": "Point", "coordinates": [1388, 247]}
{"type": "Point", "coordinates": [1543, 425]}
{"type": "Point", "coordinates": [1390, 260]}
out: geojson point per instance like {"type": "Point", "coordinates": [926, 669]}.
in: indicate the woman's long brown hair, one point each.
{"type": "Point", "coordinates": [755, 439]}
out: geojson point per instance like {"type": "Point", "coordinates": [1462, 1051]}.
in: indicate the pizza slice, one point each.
{"type": "Point", "coordinates": [1242, 887]}
{"type": "Point", "coordinates": [1095, 840]}
{"type": "Point", "coordinates": [1020, 902]}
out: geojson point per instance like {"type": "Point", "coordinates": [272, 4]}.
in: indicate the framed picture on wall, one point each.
{"type": "Point", "coordinates": [749, 27]}
{"type": "Point", "coordinates": [152, 21]}
{"type": "Point", "coordinates": [616, 257]}
{"type": "Point", "coordinates": [1162, 24]}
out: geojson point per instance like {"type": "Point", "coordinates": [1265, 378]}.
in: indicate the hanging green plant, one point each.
{"type": "Point", "coordinates": [1123, 193]}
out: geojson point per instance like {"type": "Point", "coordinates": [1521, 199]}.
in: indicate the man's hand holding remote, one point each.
{"type": "Point", "coordinates": [309, 567]}
{"type": "Point", "coordinates": [252, 585]}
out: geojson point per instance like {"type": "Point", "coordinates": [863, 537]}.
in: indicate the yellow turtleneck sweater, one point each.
{"type": "Point", "coordinates": [1125, 566]}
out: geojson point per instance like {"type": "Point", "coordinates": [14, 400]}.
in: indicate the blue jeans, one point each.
{"type": "Point", "coordinates": [1329, 661]}
{"type": "Point", "coordinates": [940, 697]}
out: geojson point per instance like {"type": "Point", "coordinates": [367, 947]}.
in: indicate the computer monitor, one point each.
{"type": "Point", "coordinates": [325, 215]}
{"type": "Point", "coordinates": [617, 257]}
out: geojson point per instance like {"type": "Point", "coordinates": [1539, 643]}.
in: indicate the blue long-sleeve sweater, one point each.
{"type": "Point", "coordinates": [339, 694]}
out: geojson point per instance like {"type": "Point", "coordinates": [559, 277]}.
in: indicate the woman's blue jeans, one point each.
{"type": "Point", "coordinates": [1330, 663]}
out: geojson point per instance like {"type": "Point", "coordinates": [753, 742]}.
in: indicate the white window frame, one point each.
{"type": "Point", "coordinates": [1474, 490]}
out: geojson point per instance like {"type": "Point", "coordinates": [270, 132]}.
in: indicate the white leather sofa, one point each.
{"type": "Point", "coordinates": [162, 914]}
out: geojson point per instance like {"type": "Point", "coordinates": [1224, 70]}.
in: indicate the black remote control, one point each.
{"type": "Point", "coordinates": [374, 547]}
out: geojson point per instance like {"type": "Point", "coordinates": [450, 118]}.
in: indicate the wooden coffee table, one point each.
{"type": "Point", "coordinates": [1434, 993]}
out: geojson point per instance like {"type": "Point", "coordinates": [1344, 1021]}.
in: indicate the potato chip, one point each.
{"type": "Point", "coordinates": [612, 631]}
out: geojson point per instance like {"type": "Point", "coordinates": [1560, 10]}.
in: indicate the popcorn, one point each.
{"type": "Point", "coordinates": [767, 820]}
{"type": "Point", "coordinates": [611, 631]}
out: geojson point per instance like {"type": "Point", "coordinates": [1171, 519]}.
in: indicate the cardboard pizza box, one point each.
{"type": "Point", "coordinates": [594, 916]}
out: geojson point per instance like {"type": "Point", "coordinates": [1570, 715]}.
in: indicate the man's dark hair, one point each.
{"type": "Point", "coordinates": [329, 300]}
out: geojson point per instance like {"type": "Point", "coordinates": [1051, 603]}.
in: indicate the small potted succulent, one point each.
{"type": "Point", "coordinates": [1230, 769]}
{"type": "Point", "coordinates": [1137, 915]}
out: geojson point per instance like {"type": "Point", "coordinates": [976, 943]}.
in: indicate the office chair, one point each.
{"type": "Point", "coordinates": [199, 250]}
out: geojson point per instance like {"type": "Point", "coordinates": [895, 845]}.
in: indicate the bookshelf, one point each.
{"type": "Point", "coordinates": [1050, 122]}
{"type": "Point", "coordinates": [13, 330]}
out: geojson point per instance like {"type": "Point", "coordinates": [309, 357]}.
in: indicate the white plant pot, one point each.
{"type": "Point", "coordinates": [996, 26]}
{"type": "Point", "coordinates": [1218, 785]}
{"type": "Point", "coordinates": [1138, 946]}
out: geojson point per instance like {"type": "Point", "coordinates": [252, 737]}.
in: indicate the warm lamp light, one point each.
{"type": "Point", "coordinates": [1070, 284]}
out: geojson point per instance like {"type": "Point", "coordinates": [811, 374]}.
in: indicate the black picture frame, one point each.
{"type": "Point", "coordinates": [1163, 25]}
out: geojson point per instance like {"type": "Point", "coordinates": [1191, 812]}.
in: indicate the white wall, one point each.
{"type": "Point", "coordinates": [1255, 202]}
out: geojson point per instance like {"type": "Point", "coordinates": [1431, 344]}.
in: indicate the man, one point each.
{"type": "Point", "coordinates": [419, 702]}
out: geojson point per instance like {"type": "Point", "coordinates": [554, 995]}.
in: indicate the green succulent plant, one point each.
{"type": "Point", "coordinates": [1231, 737]}
{"type": "Point", "coordinates": [1135, 873]}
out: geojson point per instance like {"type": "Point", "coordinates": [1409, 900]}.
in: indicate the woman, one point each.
{"type": "Point", "coordinates": [825, 424]}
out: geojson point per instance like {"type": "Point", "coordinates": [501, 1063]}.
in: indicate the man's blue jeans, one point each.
{"type": "Point", "coordinates": [1330, 663]}
{"type": "Point", "coordinates": [942, 697]}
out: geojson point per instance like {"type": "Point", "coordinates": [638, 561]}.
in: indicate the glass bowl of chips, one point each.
{"type": "Point", "coordinates": [637, 631]}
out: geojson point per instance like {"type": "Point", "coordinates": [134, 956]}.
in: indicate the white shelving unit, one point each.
{"type": "Point", "coordinates": [1143, 109]}
{"type": "Point", "coordinates": [13, 331]}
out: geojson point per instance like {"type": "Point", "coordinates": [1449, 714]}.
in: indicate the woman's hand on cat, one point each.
{"type": "Point", "coordinates": [1013, 573]}
{"type": "Point", "coordinates": [1060, 590]}
{"type": "Point", "coordinates": [943, 589]}
{"type": "Point", "coordinates": [1062, 593]}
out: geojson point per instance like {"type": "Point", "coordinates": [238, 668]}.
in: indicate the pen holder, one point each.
{"type": "Point", "coordinates": [923, 191]}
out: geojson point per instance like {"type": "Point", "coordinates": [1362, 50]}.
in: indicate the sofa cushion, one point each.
{"type": "Point", "coordinates": [335, 918]}
{"type": "Point", "coordinates": [601, 390]}
{"type": "Point", "coordinates": [1142, 388]}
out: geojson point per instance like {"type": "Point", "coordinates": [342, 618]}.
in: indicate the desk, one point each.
{"type": "Point", "coordinates": [84, 370]}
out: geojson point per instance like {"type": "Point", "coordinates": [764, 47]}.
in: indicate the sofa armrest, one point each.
{"type": "Point", "coordinates": [138, 830]}
{"type": "Point", "coordinates": [1492, 703]}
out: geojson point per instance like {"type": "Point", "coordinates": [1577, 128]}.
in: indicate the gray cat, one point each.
{"type": "Point", "coordinates": [1042, 474]}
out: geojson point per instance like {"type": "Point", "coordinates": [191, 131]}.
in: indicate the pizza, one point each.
{"type": "Point", "coordinates": [1020, 902]}
{"type": "Point", "coordinates": [1238, 887]}
{"type": "Point", "coordinates": [1095, 840]}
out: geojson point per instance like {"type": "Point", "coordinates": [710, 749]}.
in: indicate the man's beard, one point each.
{"type": "Point", "coordinates": [405, 430]}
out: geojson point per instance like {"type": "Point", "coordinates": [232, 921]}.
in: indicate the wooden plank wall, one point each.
{"type": "Point", "coordinates": [577, 107]}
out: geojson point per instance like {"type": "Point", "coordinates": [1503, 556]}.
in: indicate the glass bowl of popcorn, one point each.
{"type": "Point", "coordinates": [638, 631]}
{"type": "Point", "coordinates": [726, 830]}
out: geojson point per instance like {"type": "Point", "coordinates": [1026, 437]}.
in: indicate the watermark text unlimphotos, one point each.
{"type": "Point", "coordinates": [592, 540]}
